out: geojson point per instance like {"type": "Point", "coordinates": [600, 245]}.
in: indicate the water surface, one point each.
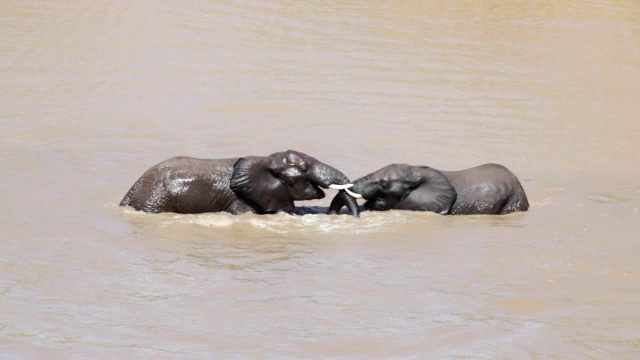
{"type": "Point", "coordinates": [94, 93]}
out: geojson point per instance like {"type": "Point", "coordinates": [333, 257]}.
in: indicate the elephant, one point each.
{"type": "Point", "coordinates": [486, 189]}
{"type": "Point", "coordinates": [258, 184]}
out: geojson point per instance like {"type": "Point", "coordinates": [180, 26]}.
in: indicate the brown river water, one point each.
{"type": "Point", "coordinates": [95, 92]}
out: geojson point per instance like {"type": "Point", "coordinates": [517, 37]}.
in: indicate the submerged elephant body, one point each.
{"type": "Point", "coordinates": [486, 189]}
{"type": "Point", "coordinates": [263, 185]}
{"type": "Point", "coordinates": [186, 185]}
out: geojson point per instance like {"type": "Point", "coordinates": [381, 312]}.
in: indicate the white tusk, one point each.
{"type": "Point", "coordinates": [352, 194]}
{"type": "Point", "coordinates": [340, 187]}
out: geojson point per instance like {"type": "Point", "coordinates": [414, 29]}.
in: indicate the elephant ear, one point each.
{"type": "Point", "coordinates": [255, 183]}
{"type": "Point", "coordinates": [432, 191]}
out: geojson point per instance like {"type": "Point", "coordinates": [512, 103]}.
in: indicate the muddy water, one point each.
{"type": "Point", "coordinates": [94, 93]}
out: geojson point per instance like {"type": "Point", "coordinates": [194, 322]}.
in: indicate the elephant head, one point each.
{"type": "Point", "coordinates": [272, 183]}
{"type": "Point", "coordinates": [404, 187]}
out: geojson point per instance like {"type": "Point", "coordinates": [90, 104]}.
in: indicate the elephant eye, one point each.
{"type": "Point", "coordinates": [384, 184]}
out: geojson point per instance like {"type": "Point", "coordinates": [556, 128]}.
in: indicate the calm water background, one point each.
{"type": "Point", "coordinates": [94, 93]}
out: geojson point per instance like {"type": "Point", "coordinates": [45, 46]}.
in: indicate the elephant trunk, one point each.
{"type": "Point", "coordinates": [364, 187]}
{"type": "Point", "coordinates": [361, 188]}
{"type": "Point", "coordinates": [328, 177]}
{"type": "Point", "coordinates": [325, 175]}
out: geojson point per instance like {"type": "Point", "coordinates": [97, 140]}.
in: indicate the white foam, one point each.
{"type": "Point", "coordinates": [281, 223]}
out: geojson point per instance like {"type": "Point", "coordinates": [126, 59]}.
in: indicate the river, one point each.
{"type": "Point", "coordinates": [94, 93]}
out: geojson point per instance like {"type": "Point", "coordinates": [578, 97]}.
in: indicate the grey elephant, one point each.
{"type": "Point", "coordinates": [259, 184]}
{"type": "Point", "coordinates": [486, 189]}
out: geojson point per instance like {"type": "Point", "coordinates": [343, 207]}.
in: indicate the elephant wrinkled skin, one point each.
{"type": "Point", "coordinates": [260, 184]}
{"type": "Point", "coordinates": [485, 189]}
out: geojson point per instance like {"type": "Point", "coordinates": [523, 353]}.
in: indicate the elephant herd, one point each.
{"type": "Point", "coordinates": [270, 184]}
